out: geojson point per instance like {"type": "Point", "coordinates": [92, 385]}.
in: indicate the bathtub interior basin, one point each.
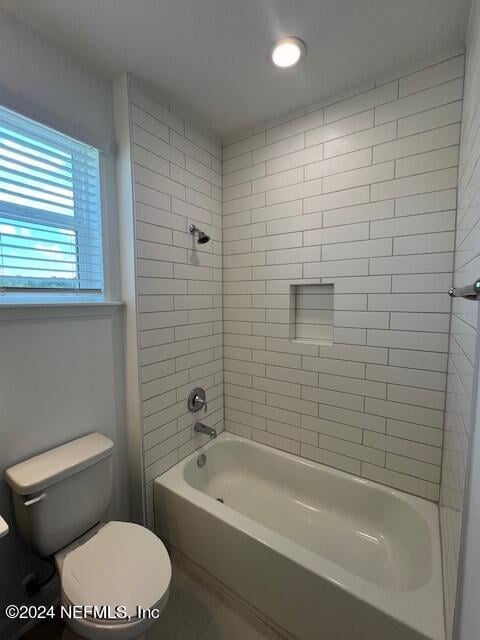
{"type": "Point", "coordinates": [371, 533]}
{"type": "Point", "coordinates": [377, 546]}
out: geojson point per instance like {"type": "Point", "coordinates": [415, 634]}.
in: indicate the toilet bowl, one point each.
{"type": "Point", "coordinates": [114, 576]}
{"type": "Point", "coordinates": [114, 581]}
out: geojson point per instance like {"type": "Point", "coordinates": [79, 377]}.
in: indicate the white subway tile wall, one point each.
{"type": "Point", "coordinates": [177, 182]}
{"type": "Point", "coordinates": [359, 193]}
{"type": "Point", "coordinates": [458, 415]}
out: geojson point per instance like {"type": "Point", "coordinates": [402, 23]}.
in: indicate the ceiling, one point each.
{"type": "Point", "coordinates": [209, 56]}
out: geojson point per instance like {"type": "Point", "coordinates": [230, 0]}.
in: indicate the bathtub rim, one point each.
{"type": "Point", "coordinates": [408, 607]}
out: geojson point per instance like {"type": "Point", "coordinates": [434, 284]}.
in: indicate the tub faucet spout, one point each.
{"type": "Point", "coordinates": [202, 428]}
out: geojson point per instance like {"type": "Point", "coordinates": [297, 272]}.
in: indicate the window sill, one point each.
{"type": "Point", "coordinates": [50, 310]}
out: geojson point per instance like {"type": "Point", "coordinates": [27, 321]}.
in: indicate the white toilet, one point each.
{"type": "Point", "coordinates": [60, 497]}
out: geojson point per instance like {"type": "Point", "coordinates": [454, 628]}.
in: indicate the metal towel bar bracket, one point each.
{"type": "Point", "coordinates": [472, 292]}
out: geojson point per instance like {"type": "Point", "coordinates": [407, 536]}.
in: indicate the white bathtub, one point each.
{"type": "Point", "coordinates": [325, 555]}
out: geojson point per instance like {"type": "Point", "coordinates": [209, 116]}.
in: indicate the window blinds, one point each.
{"type": "Point", "coordinates": [50, 214]}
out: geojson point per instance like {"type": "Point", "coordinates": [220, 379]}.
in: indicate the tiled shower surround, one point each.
{"type": "Point", "coordinates": [177, 182]}
{"type": "Point", "coordinates": [359, 193]}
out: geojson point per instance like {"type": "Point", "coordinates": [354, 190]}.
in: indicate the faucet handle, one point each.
{"type": "Point", "coordinates": [197, 400]}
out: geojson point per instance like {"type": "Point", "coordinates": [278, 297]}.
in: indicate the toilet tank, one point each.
{"type": "Point", "coordinates": [61, 493]}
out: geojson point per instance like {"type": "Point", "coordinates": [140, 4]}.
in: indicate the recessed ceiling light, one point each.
{"type": "Point", "coordinates": [287, 52]}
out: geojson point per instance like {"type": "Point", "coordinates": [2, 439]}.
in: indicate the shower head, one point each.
{"type": "Point", "coordinates": [202, 237]}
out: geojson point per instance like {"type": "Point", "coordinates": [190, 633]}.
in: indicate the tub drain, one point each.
{"type": "Point", "coordinates": [220, 500]}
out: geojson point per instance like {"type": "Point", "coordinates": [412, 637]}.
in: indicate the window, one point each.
{"type": "Point", "coordinates": [50, 214]}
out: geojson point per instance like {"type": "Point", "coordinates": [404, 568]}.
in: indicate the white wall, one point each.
{"type": "Point", "coordinates": [360, 192]}
{"type": "Point", "coordinates": [44, 83]}
{"type": "Point", "coordinates": [60, 377]}
{"type": "Point", "coordinates": [176, 290]}
{"type": "Point", "coordinates": [461, 442]}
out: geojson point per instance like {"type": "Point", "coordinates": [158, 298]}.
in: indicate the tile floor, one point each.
{"type": "Point", "coordinates": [195, 611]}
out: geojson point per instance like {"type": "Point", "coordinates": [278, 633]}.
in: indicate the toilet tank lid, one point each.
{"type": "Point", "coordinates": [40, 472]}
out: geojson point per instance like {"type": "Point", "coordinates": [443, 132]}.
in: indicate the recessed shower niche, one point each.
{"type": "Point", "coordinates": [311, 313]}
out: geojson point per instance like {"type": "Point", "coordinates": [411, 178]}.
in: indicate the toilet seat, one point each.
{"type": "Point", "coordinates": [121, 565]}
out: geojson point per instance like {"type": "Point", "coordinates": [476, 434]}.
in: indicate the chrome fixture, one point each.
{"type": "Point", "coordinates": [471, 292]}
{"type": "Point", "coordinates": [202, 238]}
{"type": "Point", "coordinates": [202, 428]}
{"type": "Point", "coordinates": [197, 400]}
{"type": "Point", "coordinates": [201, 460]}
